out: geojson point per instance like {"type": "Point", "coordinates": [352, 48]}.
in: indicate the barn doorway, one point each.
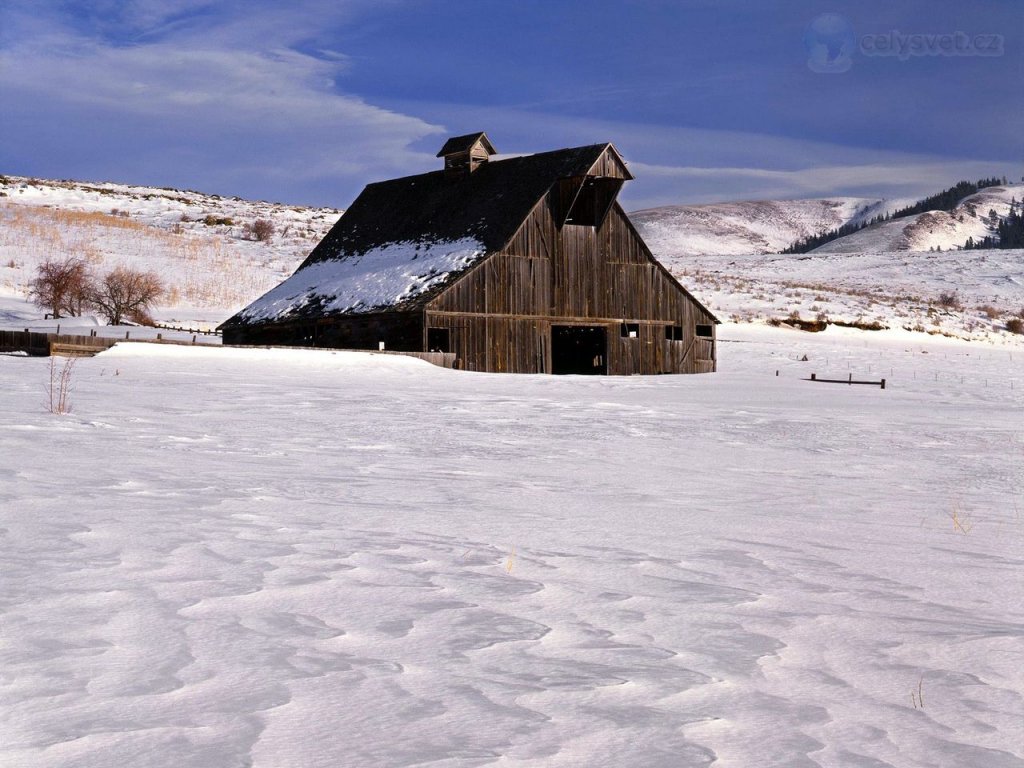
{"type": "Point", "coordinates": [580, 349]}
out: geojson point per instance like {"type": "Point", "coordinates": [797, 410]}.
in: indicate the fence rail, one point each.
{"type": "Point", "coordinates": [814, 377]}
{"type": "Point", "coordinates": [213, 332]}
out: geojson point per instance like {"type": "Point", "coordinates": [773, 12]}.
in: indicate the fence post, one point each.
{"type": "Point", "coordinates": [883, 383]}
{"type": "Point", "coordinates": [814, 377]}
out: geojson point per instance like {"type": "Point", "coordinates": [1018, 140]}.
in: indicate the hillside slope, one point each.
{"type": "Point", "coordinates": [756, 226]}
{"type": "Point", "coordinates": [934, 229]}
{"type": "Point", "coordinates": [198, 243]}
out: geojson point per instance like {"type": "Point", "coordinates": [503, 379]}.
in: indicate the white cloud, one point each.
{"type": "Point", "coordinates": [225, 110]}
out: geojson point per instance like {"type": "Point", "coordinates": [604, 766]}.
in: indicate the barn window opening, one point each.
{"type": "Point", "coordinates": [586, 200]}
{"type": "Point", "coordinates": [438, 340]}
{"type": "Point", "coordinates": [630, 330]}
{"type": "Point", "coordinates": [674, 332]}
{"type": "Point", "coordinates": [706, 331]}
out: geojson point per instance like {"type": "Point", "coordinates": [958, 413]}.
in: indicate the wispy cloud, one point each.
{"type": "Point", "coordinates": [224, 107]}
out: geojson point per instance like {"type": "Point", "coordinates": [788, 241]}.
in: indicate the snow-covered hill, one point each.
{"type": "Point", "coordinates": [756, 226]}
{"type": "Point", "coordinates": [883, 276]}
{"type": "Point", "coordinates": [934, 229]}
{"type": "Point", "coordinates": [198, 243]}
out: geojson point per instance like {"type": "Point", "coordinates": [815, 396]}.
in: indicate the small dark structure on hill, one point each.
{"type": "Point", "coordinates": [523, 265]}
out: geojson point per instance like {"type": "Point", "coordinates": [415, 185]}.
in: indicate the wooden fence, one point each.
{"type": "Point", "coordinates": [41, 344]}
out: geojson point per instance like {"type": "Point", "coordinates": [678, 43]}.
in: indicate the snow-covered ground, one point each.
{"type": "Point", "coordinates": [227, 557]}
{"type": "Point", "coordinates": [271, 558]}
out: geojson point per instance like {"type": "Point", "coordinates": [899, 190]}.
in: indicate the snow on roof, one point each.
{"type": "Point", "coordinates": [381, 277]}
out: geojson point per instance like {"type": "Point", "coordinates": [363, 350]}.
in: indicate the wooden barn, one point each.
{"type": "Point", "coordinates": [522, 265]}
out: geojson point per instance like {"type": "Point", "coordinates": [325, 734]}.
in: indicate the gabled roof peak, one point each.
{"type": "Point", "coordinates": [465, 143]}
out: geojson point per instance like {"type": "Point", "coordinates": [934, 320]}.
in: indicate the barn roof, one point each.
{"type": "Point", "coordinates": [487, 205]}
{"type": "Point", "coordinates": [403, 240]}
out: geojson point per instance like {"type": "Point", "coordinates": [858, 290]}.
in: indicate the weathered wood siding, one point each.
{"type": "Point", "coordinates": [500, 313]}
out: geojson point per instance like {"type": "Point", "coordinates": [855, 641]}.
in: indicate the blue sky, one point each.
{"type": "Point", "coordinates": [308, 100]}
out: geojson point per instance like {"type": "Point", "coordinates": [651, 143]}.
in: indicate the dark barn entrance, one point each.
{"type": "Point", "coordinates": [579, 349]}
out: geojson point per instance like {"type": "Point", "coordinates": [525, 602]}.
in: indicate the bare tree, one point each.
{"type": "Point", "coordinates": [263, 230]}
{"type": "Point", "coordinates": [127, 293]}
{"type": "Point", "coordinates": [62, 286]}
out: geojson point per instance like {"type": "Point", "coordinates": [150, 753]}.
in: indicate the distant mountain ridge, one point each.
{"type": "Point", "coordinates": [772, 226]}
{"type": "Point", "coordinates": [745, 227]}
{"type": "Point", "coordinates": [933, 230]}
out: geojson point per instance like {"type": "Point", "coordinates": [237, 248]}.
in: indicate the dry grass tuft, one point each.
{"type": "Point", "coordinates": [59, 389]}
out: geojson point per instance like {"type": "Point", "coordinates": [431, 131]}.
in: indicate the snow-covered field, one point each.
{"type": "Point", "coordinates": [271, 558]}
{"type": "Point", "coordinates": [899, 290]}
{"type": "Point", "coordinates": [275, 558]}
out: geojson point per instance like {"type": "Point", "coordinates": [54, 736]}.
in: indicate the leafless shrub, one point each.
{"type": "Point", "coordinates": [989, 311]}
{"type": "Point", "coordinates": [127, 293]}
{"type": "Point", "coordinates": [949, 300]}
{"type": "Point", "coordinates": [1015, 325]}
{"type": "Point", "coordinates": [62, 286]}
{"type": "Point", "coordinates": [263, 230]}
